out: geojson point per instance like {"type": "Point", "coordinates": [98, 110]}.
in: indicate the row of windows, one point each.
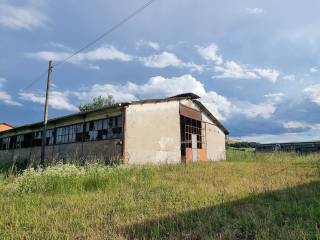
{"type": "Point", "coordinates": [107, 128]}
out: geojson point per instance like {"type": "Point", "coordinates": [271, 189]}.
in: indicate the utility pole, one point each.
{"type": "Point", "coordinates": [45, 117]}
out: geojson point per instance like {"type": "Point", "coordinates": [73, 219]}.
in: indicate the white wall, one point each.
{"type": "Point", "coordinates": [216, 143]}
{"type": "Point", "coordinates": [152, 133]}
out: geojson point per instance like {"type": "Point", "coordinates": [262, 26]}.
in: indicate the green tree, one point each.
{"type": "Point", "coordinates": [97, 103]}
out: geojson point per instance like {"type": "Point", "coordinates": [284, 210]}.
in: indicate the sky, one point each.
{"type": "Point", "coordinates": [255, 64]}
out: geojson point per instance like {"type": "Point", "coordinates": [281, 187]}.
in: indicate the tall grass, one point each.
{"type": "Point", "coordinates": [236, 155]}
{"type": "Point", "coordinates": [252, 196]}
{"type": "Point", "coordinates": [67, 178]}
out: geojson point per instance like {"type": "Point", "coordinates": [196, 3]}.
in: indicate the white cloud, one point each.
{"type": "Point", "coordinates": [57, 100]}
{"type": "Point", "coordinates": [289, 77]}
{"type": "Point", "coordinates": [267, 73]}
{"type": "Point", "coordinates": [232, 69]}
{"type": "Point", "coordinates": [159, 87]}
{"type": "Point", "coordinates": [5, 97]}
{"type": "Point", "coordinates": [255, 11]}
{"type": "Point", "coordinates": [313, 93]}
{"type": "Point", "coordinates": [167, 59]}
{"type": "Point", "coordinates": [150, 44]}
{"type": "Point", "coordinates": [27, 16]}
{"type": "Point", "coordinates": [103, 53]}
{"type": "Point", "coordinates": [275, 97]}
{"type": "Point", "coordinates": [210, 53]}
{"type": "Point", "coordinates": [264, 110]}
{"type": "Point", "coordinates": [295, 125]}
{"type": "Point", "coordinates": [313, 70]}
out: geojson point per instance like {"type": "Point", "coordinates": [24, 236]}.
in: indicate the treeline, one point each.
{"type": "Point", "coordinates": [243, 145]}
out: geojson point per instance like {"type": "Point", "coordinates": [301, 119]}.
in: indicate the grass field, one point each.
{"type": "Point", "coordinates": [250, 196]}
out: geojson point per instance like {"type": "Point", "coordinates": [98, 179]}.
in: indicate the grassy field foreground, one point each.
{"type": "Point", "coordinates": [267, 196]}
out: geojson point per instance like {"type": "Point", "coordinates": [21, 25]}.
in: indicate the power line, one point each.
{"type": "Point", "coordinates": [110, 30]}
{"type": "Point", "coordinates": [35, 80]}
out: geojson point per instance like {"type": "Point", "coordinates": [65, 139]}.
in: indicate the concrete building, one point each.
{"type": "Point", "coordinates": [170, 130]}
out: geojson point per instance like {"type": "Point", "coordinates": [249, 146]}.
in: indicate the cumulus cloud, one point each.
{"type": "Point", "coordinates": [103, 53]}
{"type": "Point", "coordinates": [255, 11]}
{"type": "Point", "coordinates": [23, 16]}
{"type": "Point", "coordinates": [149, 44]}
{"type": "Point", "coordinates": [313, 93]}
{"type": "Point", "coordinates": [210, 53]}
{"type": "Point", "coordinates": [157, 86]}
{"type": "Point", "coordinates": [232, 69]}
{"type": "Point", "coordinates": [267, 73]}
{"type": "Point", "coordinates": [161, 87]}
{"type": "Point", "coordinates": [295, 125]}
{"type": "Point", "coordinates": [264, 110]}
{"type": "Point", "coordinates": [57, 100]}
{"type": "Point", "coordinates": [167, 59]}
{"type": "Point", "coordinates": [5, 97]}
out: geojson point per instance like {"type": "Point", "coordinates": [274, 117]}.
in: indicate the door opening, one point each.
{"type": "Point", "coordinates": [193, 139]}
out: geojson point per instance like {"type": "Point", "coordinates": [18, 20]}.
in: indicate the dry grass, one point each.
{"type": "Point", "coordinates": [264, 196]}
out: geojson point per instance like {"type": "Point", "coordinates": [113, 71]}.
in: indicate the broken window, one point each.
{"type": "Point", "coordinates": [37, 138]}
{"type": "Point", "coordinates": [20, 140]}
{"type": "Point", "coordinates": [103, 129]}
{"type": "Point", "coordinates": [50, 137]}
{"type": "Point", "coordinates": [5, 143]}
{"type": "Point", "coordinates": [69, 134]}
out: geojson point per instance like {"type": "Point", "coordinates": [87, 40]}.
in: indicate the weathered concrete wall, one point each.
{"type": "Point", "coordinates": [104, 149]}
{"type": "Point", "coordinates": [216, 143]}
{"type": "Point", "coordinates": [152, 133]}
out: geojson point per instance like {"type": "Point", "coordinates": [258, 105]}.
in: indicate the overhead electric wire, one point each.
{"type": "Point", "coordinates": [35, 80]}
{"type": "Point", "coordinates": [109, 31]}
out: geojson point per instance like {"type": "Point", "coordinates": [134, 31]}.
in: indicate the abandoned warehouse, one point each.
{"type": "Point", "coordinates": [169, 130]}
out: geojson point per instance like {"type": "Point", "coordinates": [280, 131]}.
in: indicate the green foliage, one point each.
{"type": "Point", "coordinates": [97, 103]}
{"type": "Point", "coordinates": [252, 196]}
{"type": "Point", "coordinates": [243, 144]}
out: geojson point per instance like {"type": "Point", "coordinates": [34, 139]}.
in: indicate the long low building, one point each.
{"type": "Point", "coordinates": [170, 130]}
{"type": "Point", "coordinates": [301, 147]}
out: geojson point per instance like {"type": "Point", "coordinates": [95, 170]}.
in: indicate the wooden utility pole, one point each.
{"type": "Point", "coordinates": [45, 117]}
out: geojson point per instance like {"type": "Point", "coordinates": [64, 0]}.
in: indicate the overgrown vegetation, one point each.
{"type": "Point", "coordinates": [97, 103]}
{"type": "Point", "coordinates": [250, 196]}
{"type": "Point", "coordinates": [243, 144]}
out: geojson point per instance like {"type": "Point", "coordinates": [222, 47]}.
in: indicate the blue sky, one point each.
{"type": "Point", "coordinates": [255, 64]}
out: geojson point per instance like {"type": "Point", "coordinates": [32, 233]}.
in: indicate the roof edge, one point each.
{"type": "Point", "coordinates": [213, 118]}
